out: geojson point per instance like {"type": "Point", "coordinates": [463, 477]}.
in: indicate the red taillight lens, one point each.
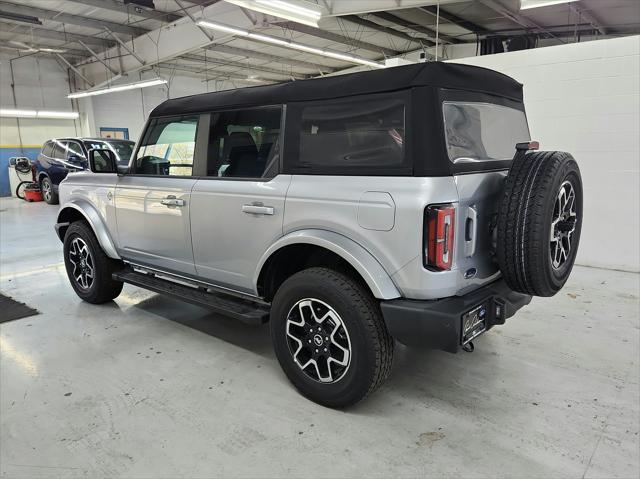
{"type": "Point", "coordinates": [439, 224]}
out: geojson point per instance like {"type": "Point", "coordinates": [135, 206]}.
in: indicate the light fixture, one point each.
{"type": "Point", "coordinates": [17, 113]}
{"type": "Point", "coordinates": [63, 115]}
{"type": "Point", "coordinates": [283, 9]}
{"type": "Point", "coordinates": [526, 4]}
{"type": "Point", "coordinates": [117, 88]}
{"type": "Point", "coordinates": [289, 44]}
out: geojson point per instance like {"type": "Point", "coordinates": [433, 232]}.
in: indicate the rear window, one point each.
{"type": "Point", "coordinates": [47, 149]}
{"type": "Point", "coordinates": [478, 132]}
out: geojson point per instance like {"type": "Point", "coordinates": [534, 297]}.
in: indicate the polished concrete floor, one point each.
{"type": "Point", "coordinates": [149, 387]}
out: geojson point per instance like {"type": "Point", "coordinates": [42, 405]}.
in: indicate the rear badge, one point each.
{"type": "Point", "coordinates": [470, 273]}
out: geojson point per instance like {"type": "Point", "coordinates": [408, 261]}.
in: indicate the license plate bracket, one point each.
{"type": "Point", "coordinates": [474, 323]}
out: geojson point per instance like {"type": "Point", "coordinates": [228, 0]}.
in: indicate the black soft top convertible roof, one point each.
{"type": "Point", "coordinates": [434, 74]}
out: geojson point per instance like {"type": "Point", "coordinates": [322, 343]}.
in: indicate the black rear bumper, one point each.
{"type": "Point", "coordinates": [437, 324]}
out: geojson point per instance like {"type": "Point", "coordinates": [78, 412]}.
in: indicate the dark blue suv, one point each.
{"type": "Point", "coordinates": [61, 156]}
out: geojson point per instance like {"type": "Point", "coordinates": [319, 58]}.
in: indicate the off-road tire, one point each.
{"type": "Point", "coordinates": [103, 288]}
{"type": "Point", "coordinates": [525, 217]}
{"type": "Point", "coordinates": [50, 195]}
{"type": "Point", "coordinates": [371, 344]}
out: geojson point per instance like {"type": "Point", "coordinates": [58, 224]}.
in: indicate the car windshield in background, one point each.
{"type": "Point", "coordinates": [123, 149]}
{"type": "Point", "coordinates": [477, 132]}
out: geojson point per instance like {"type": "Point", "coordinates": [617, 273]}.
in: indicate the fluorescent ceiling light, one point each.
{"type": "Point", "coordinates": [290, 10]}
{"type": "Point", "coordinates": [62, 115]}
{"type": "Point", "coordinates": [67, 115]}
{"type": "Point", "coordinates": [291, 7]}
{"type": "Point", "coordinates": [223, 28]}
{"type": "Point", "coordinates": [117, 88]}
{"type": "Point", "coordinates": [289, 44]}
{"type": "Point", "coordinates": [15, 113]}
{"type": "Point", "coordinates": [526, 4]}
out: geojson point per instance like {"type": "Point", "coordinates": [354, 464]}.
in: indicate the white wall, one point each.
{"type": "Point", "coordinates": [130, 109]}
{"type": "Point", "coordinates": [584, 98]}
{"type": "Point", "coordinates": [41, 84]}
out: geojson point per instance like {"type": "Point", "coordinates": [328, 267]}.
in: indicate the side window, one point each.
{"type": "Point", "coordinates": [354, 134]}
{"type": "Point", "coordinates": [244, 143]}
{"type": "Point", "coordinates": [59, 150]}
{"type": "Point", "coordinates": [74, 149]}
{"type": "Point", "coordinates": [168, 147]}
{"type": "Point", "coordinates": [47, 149]}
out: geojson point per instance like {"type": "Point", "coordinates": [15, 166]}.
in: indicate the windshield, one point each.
{"type": "Point", "coordinates": [122, 149]}
{"type": "Point", "coordinates": [478, 132]}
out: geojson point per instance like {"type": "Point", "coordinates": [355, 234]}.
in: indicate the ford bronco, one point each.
{"type": "Point", "coordinates": [352, 211]}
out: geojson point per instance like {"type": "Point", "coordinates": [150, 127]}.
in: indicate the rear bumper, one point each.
{"type": "Point", "coordinates": [437, 324]}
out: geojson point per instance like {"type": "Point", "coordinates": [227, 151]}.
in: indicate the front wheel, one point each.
{"type": "Point", "coordinates": [329, 337]}
{"type": "Point", "coordinates": [88, 267]}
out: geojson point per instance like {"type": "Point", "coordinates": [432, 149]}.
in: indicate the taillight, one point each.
{"type": "Point", "coordinates": [439, 225]}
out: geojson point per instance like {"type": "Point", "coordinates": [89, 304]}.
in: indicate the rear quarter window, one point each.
{"type": "Point", "coordinates": [354, 136]}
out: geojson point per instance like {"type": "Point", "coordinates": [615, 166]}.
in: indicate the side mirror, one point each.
{"type": "Point", "coordinates": [103, 161]}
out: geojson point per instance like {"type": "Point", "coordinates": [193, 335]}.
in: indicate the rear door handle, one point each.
{"type": "Point", "coordinates": [172, 201]}
{"type": "Point", "coordinates": [257, 209]}
{"type": "Point", "coordinates": [471, 232]}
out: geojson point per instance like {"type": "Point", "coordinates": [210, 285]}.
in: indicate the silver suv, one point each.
{"type": "Point", "coordinates": [404, 204]}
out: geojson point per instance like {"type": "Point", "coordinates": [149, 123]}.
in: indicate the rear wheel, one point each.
{"type": "Point", "coordinates": [329, 337]}
{"type": "Point", "coordinates": [539, 222]}
{"type": "Point", "coordinates": [89, 269]}
{"type": "Point", "coordinates": [48, 192]}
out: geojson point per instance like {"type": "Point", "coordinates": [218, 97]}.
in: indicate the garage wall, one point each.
{"type": "Point", "coordinates": [41, 84]}
{"type": "Point", "coordinates": [131, 109]}
{"type": "Point", "coordinates": [584, 98]}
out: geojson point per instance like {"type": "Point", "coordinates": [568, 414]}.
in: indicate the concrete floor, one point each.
{"type": "Point", "coordinates": [151, 387]}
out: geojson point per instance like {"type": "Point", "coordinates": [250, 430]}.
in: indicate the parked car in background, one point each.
{"type": "Point", "coordinates": [61, 156]}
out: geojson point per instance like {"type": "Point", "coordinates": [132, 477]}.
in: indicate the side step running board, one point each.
{"type": "Point", "coordinates": [243, 310]}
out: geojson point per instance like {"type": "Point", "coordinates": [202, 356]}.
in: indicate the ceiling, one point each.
{"type": "Point", "coordinates": [73, 32]}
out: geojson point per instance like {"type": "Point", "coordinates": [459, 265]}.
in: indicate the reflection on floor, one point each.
{"type": "Point", "coordinates": [147, 386]}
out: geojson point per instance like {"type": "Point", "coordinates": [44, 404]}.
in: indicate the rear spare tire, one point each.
{"type": "Point", "coordinates": [539, 222]}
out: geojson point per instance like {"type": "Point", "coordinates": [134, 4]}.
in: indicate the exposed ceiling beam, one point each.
{"type": "Point", "coordinates": [456, 20]}
{"type": "Point", "coordinates": [431, 34]}
{"type": "Point", "coordinates": [74, 69]}
{"type": "Point", "coordinates": [521, 20]}
{"type": "Point", "coordinates": [67, 51]}
{"type": "Point", "coordinates": [61, 17]}
{"type": "Point", "coordinates": [380, 28]}
{"type": "Point", "coordinates": [133, 10]}
{"type": "Point", "coordinates": [229, 50]}
{"type": "Point", "coordinates": [97, 57]}
{"type": "Point", "coordinates": [334, 37]}
{"type": "Point", "coordinates": [587, 16]}
{"type": "Point", "coordinates": [207, 60]}
{"type": "Point", "coordinates": [39, 32]}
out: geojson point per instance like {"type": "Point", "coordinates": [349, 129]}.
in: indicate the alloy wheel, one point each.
{"type": "Point", "coordinates": [563, 225]}
{"type": "Point", "coordinates": [82, 261]}
{"type": "Point", "coordinates": [46, 189]}
{"type": "Point", "coordinates": [318, 340]}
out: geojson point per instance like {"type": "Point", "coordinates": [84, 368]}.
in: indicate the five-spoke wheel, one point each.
{"type": "Point", "coordinates": [563, 224]}
{"type": "Point", "coordinates": [318, 340]}
{"type": "Point", "coordinates": [82, 261]}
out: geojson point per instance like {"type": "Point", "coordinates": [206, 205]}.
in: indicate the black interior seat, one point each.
{"type": "Point", "coordinates": [241, 153]}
